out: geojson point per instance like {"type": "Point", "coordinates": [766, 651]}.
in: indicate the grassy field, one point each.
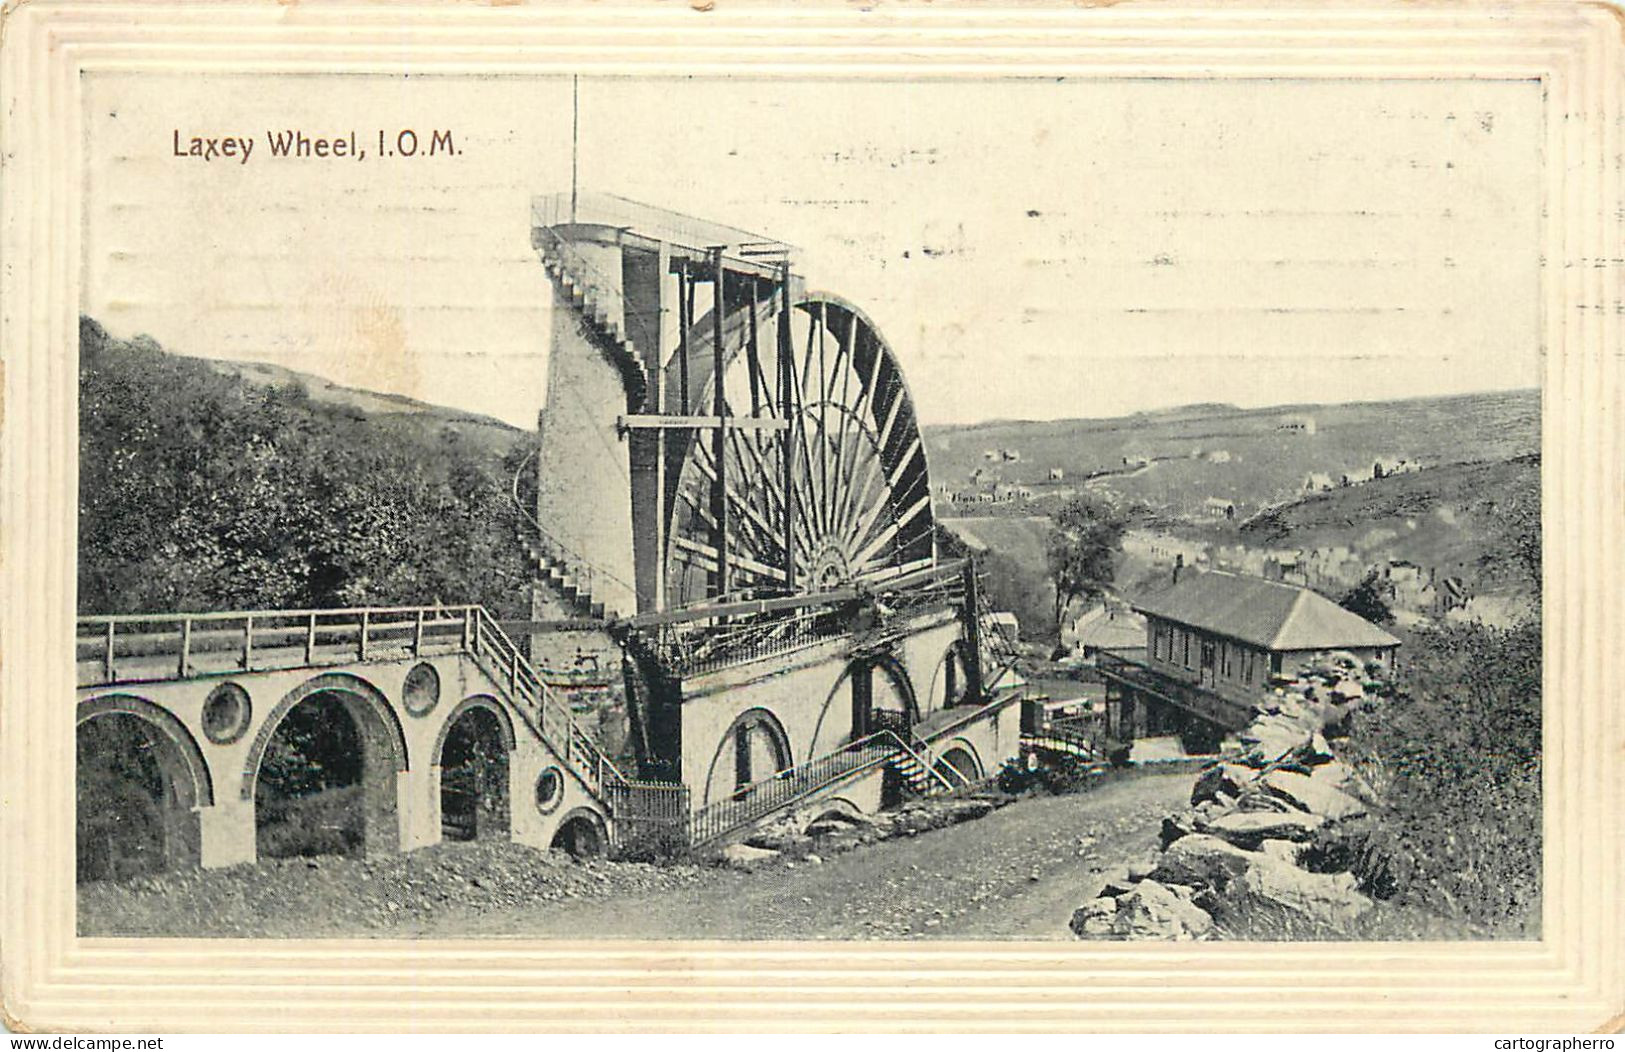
{"type": "Point", "coordinates": [1239, 455]}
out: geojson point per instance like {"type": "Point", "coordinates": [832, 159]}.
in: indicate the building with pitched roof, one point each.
{"type": "Point", "coordinates": [1213, 642]}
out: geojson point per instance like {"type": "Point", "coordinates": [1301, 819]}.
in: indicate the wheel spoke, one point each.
{"type": "Point", "coordinates": [854, 498]}
{"type": "Point", "coordinates": [848, 345]}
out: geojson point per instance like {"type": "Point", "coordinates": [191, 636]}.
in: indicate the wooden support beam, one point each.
{"type": "Point", "coordinates": [719, 386]}
{"type": "Point", "coordinates": [685, 319]}
{"type": "Point", "coordinates": [788, 409]}
{"type": "Point", "coordinates": [675, 421]}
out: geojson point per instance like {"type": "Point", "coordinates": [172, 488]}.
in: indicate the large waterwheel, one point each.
{"type": "Point", "coordinates": [825, 480]}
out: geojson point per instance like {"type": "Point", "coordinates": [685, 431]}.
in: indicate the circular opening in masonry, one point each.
{"type": "Point", "coordinates": [421, 693]}
{"type": "Point", "coordinates": [549, 790]}
{"type": "Point", "coordinates": [226, 713]}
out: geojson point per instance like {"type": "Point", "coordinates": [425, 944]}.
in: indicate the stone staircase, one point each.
{"type": "Point", "coordinates": [755, 804]}
{"type": "Point", "coordinates": [923, 778]}
{"type": "Point", "coordinates": [571, 582]}
{"type": "Point", "coordinates": [567, 274]}
{"type": "Point", "coordinates": [564, 572]}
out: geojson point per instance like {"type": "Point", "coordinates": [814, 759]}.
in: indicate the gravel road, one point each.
{"type": "Point", "coordinates": [1017, 873]}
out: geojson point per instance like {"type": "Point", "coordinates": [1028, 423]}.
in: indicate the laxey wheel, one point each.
{"type": "Point", "coordinates": [858, 491]}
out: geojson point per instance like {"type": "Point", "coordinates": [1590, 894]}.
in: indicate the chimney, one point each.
{"type": "Point", "coordinates": [1179, 564]}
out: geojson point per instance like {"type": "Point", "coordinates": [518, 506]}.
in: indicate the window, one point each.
{"type": "Point", "coordinates": [1225, 657]}
{"type": "Point", "coordinates": [1187, 648]}
{"type": "Point", "coordinates": [1275, 664]}
{"type": "Point", "coordinates": [1247, 666]}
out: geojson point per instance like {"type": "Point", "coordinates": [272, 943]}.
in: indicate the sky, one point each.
{"type": "Point", "coordinates": [1029, 248]}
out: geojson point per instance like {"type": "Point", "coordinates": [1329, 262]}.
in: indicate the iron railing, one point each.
{"type": "Point", "coordinates": [752, 803]}
{"type": "Point", "coordinates": [692, 648]}
{"type": "Point", "coordinates": [650, 815]}
{"type": "Point", "coordinates": [550, 718]}
{"type": "Point", "coordinates": [1080, 737]}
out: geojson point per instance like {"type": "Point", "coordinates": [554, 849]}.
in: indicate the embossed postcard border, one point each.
{"type": "Point", "coordinates": [1570, 981]}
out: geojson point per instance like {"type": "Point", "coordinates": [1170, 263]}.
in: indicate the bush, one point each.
{"type": "Point", "coordinates": [1059, 773]}
{"type": "Point", "coordinates": [324, 823]}
{"type": "Point", "coordinates": [199, 490]}
{"type": "Point", "coordinates": [1455, 758]}
{"type": "Point", "coordinates": [1014, 777]}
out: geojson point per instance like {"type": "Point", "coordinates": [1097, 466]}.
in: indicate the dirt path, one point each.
{"type": "Point", "coordinates": [1015, 874]}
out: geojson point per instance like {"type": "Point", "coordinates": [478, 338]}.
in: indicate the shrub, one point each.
{"type": "Point", "coordinates": [1014, 777]}
{"type": "Point", "coordinates": [1455, 758]}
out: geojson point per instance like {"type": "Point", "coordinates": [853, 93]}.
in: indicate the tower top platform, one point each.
{"type": "Point", "coordinates": [685, 234]}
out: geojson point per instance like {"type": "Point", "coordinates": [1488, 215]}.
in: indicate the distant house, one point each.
{"type": "Point", "coordinates": [1318, 482]}
{"type": "Point", "coordinates": [1110, 625]}
{"type": "Point", "coordinates": [1300, 423]}
{"type": "Point", "coordinates": [1214, 640]}
{"type": "Point", "coordinates": [1385, 466]}
{"type": "Point", "coordinates": [1219, 508]}
{"type": "Point", "coordinates": [1012, 455]}
{"type": "Point", "coordinates": [1056, 474]}
{"type": "Point", "coordinates": [990, 454]}
{"type": "Point", "coordinates": [1217, 456]}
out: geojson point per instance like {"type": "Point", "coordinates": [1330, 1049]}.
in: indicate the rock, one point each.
{"type": "Point", "coordinates": [744, 856]}
{"type": "Point", "coordinates": [1104, 906]}
{"type": "Point", "coordinates": [1337, 774]}
{"type": "Point", "coordinates": [1315, 751]}
{"type": "Point", "coordinates": [1150, 911]}
{"type": "Point", "coordinates": [1092, 927]}
{"type": "Point", "coordinates": [813, 860]}
{"type": "Point", "coordinates": [1117, 882]}
{"type": "Point", "coordinates": [1287, 851]}
{"type": "Point", "coordinates": [1177, 825]}
{"type": "Point", "coordinates": [1314, 795]}
{"type": "Point", "coordinates": [1248, 829]}
{"type": "Point", "coordinates": [1226, 778]}
{"type": "Point", "coordinates": [1140, 869]}
{"type": "Point", "coordinates": [1259, 800]}
{"type": "Point", "coordinates": [1328, 899]}
{"type": "Point", "coordinates": [1267, 742]}
{"type": "Point", "coordinates": [1200, 860]}
{"type": "Point", "coordinates": [967, 810]}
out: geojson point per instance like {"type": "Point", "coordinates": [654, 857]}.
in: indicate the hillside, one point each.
{"type": "Point", "coordinates": [383, 410]}
{"type": "Point", "coordinates": [1465, 505]}
{"type": "Point", "coordinates": [1475, 520]}
{"type": "Point", "coordinates": [208, 485]}
{"type": "Point", "coordinates": [1175, 460]}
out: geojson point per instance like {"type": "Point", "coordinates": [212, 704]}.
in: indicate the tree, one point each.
{"type": "Point", "coordinates": [1365, 599]}
{"type": "Point", "coordinates": [1086, 535]}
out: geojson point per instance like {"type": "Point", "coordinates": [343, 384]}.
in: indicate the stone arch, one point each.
{"type": "Point", "coordinates": [950, 680]}
{"type": "Point", "coordinates": [964, 758]}
{"type": "Point", "coordinates": [824, 740]}
{"type": "Point", "coordinates": [200, 781]}
{"type": "Point", "coordinates": [754, 733]}
{"type": "Point", "coordinates": [837, 808]}
{"type": "Point", "coordinates": [474, 701]}
{"type": "Point", "coordinates": [583, 833]}
{"type": "Point", "coordinates": [344, 683]}
{"type": "Point", "coordinates": [474, 787]}
{"type": "Point", "coordinates": [898, 674]}
{"type": "Point", "coordinates": [187, 784]}
{"type": "Point", "coordinates": [372, 816]}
